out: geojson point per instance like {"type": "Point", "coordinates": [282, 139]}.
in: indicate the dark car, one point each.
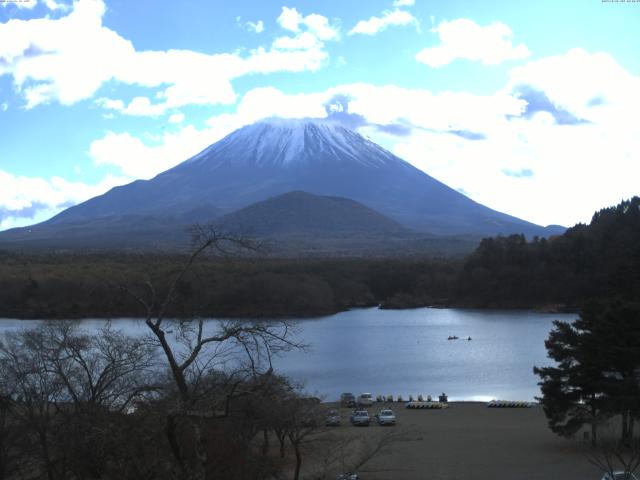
{"type": "Point", "coordinates": [348, 400]}
{"type": "Point", "coordinates": [333, 418]}
{"type": "Point", "coordinates": [360, 417]}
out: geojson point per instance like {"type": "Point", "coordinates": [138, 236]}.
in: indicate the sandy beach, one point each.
{"type": "Point", "coordinates": [470, 441]}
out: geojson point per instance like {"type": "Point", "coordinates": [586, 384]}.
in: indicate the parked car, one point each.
{"type": "Point", "coordinates": [386, 417]}
{"type": "Point", "coordinates": [365, 400]}
{"type": "Point", "coordinates": [619, 475]}
{"type": "Point", "coordinates": [360, 417]}
{"type": "Point", "coordinates": [333, 418]}
{"type": "Point", "coordinates": [348, 476]}
{"type": "Point", "coordinates": [348, 400]}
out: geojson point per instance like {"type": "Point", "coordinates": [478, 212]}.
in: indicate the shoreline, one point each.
{"type": "Point", "coordinates": [300, 316]}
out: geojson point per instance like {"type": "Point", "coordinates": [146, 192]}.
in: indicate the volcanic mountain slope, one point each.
{"type": "Point", "coordinates": [271, 158]}
{"type": "Point", "coordinates": [301, 213]}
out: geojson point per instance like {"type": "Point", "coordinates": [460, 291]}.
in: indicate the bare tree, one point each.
{"type": "Point", "coordinates": [68, 391]}
{"type": "Point", "coordinates": [193, 347]}
{"type": "Point", "coordinates": [8, 432]}
{"type": "Point", "coordinates": [303, 421]}
{"type": "Point", "coordinates": [35, 394]}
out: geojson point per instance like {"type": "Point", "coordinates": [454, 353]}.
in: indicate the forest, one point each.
{"type": "Point", "coordinates": [599, 260]}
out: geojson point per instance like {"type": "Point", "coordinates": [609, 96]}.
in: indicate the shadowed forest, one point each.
{"type": "Point", "coordinates": [599, 260]}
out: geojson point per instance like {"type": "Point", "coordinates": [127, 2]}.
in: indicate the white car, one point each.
{"type": "Point", "coordinates": [365, 400]}
{"type": "Point", "coordinates": [619, 475]}
{"type": "Point", "coordinates": [386, 417]}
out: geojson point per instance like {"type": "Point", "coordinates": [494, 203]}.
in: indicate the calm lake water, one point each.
{"type": "Point", "coordinates": [391, 352]}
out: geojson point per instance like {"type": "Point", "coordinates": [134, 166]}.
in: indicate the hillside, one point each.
{"type": "Point", "coordinates": [599, 260]}
{"type": "Point", "coordinates": [301, 213]}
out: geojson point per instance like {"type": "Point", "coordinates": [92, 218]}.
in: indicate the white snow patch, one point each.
{"type": "Point", "coordinates": [284, 142]}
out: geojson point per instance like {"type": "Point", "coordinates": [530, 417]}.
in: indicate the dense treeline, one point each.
{"type": "Point", "coordinates": [76, 286]}
{"type": "Point", "coordinates": [600, 260]}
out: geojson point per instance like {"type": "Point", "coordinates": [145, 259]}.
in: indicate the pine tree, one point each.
{"type": "Point", "coordinates": [597, 372]}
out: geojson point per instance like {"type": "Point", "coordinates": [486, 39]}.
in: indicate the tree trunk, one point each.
{"type": "Point", "coordinates": [170, 432]}
{"type": "Point", "coordinates": [265, 441]}
{"type": "Point", "coordinates": [281, 438]}
{"type": "Point", "coordinates": [200, 443]}
{"type": "Point", "coordinates": [625, 427]}
{"type": "Point", "coordinates": [594, 426]}
{"type": "Point", "coordinates": [296, 475]}
{"type": "Point", "coordinates": [47, 458]}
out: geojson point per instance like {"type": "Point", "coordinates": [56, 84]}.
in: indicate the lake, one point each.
{"type": "Point", "coordinates": [392, 352]}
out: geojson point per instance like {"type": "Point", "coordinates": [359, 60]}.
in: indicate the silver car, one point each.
{"type": "Point", "coordinates": [365, 400]}
{"type": "Point", "coordinates": [360, 417]}
{"type": "Point", "coordinates": [386, 417]}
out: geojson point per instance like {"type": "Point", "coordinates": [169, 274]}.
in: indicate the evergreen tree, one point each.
{"type": "Point", "coordinates": [597, 372]}
{"type": "Point", "coordinates": [573, 391]}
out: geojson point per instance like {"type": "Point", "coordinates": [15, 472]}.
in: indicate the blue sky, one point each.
{"type": "Point", "coordinates": [527, 107]}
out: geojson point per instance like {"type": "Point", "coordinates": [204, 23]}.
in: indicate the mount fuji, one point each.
{"type": "Point", "coordinates": [265, 160]}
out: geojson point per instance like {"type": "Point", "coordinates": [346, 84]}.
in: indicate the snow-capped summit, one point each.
{"type": "Point", "coordinates": [283, 142]}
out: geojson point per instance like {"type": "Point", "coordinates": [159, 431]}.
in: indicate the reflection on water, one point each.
{"type": "Point", "coordinates": [406, 352]}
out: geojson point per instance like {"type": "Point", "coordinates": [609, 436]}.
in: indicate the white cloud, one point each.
{"type": "Point", "coordinates": [265, 102]}
{"type": "Point", "coordinates": [176, 118]}
{"type": "Point", "coordinates": [290, 19]}
{"type": "Point", "coordinates": [138, 159]}
{"type": "Point", "coordinates": [53, 5]}
{"type": "Point", "coordinates": [25, 200]}
{"type": "Point", "coordinates": [579, 81]}
{"type": "Point", "coordinates": [295, 60]}
{"type": "Point", "coordinates": [138, 106]}
{"type": "Point", "coordinates": [465, 39]}
{"type": "Point", "coordinates": [404, 3]}
{"type": "Point", "coordinates": [256, 27]}
{"type": "Point", "coordinates": [110, 104]}
{"type": "Point", "coordinates": [395, 18]}
{"type": "Point", "coordinates": [22, 4]}
{"type": "Point", "coordinates": [142, 106]}
{"type": "Point", "coordinates": [302, 41]}
{"type": "Point", "coordinates": [320, 27]}
{"type": "Point", "coordinates": [569, 179]}
{"type": "Point", "coordinates": [307, 44]}
{"type": "Point", "coordinates": [44, 57]}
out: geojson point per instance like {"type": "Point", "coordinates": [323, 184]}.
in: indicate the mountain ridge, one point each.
{"type": "Point", "coordinates": [271, 158]}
